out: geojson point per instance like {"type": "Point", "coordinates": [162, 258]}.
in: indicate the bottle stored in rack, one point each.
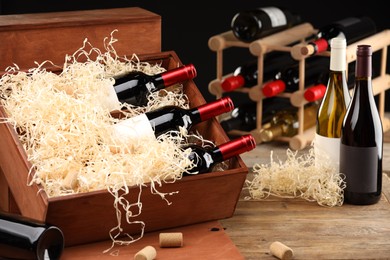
{"type": "Point", "coordinates": [350, 28]}
{"type": "Point", "coordinates": [287, 79]}
{"type": "Point", "coordinates": [247, 75]}
{"type": "Point", "coordinates": [250, 25]}
{"type": "Point", "coordinates": [285, 123]}
{"type": "Point", "coordinates": [244, 118]}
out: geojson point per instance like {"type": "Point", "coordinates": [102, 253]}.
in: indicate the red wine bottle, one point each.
{"type": "Point", "coordinates": [205, 159]}
{"type": "Point", "coordinates": [25, 238]}
{"type": "Point", "coordinates": [287, 79]}
{"type": "Point", "coordinates": [250, 25]}
{"type": "Point", "coordinates": [247, 75]}
{"type": "Point", "coordinates": [244, 117]}
{"type": "Point", "coordinates": [170, 118]}
{"type": "Point", "coordinates": [352, 29]}
{"type": "Point", "coordinates": [135, 86]}
{"type": "Point", "coordinates": [361, 148]}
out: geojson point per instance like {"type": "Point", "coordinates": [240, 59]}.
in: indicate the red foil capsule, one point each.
{"type": "Point", "coordinates": [273, 88]}
{"type": "Point", "coordinates": [232, 83]}
{"type": "Point", "coordinates": [215, 108]}
{"type": "Point", "coordinates": [179, 74]}
{"type": "Point", "coordinates": [314, 93]}
{"type": "Point", "coordinates": [237, 146]}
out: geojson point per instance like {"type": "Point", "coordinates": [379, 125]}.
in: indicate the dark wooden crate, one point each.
{"type": "Point", "coordinates": [88, 217]}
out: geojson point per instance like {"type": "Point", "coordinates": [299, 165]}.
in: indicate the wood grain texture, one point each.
{"type": "Point", "coordinates": [29, 38]}
{"type": "Point", "coordinates": [312, 231]}
{"type": "Point", "coordinates": [201, 241]}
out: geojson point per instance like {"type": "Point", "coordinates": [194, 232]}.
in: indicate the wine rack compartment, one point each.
{"type": "Point", "coordinates": [291, 40]}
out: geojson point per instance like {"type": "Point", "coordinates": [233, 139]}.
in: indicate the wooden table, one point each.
{"type": "Point", "coordinates": [312, 231]}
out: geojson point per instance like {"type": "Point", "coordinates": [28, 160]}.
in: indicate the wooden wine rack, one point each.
{"type": "Point", "coordinates": [282, 42]}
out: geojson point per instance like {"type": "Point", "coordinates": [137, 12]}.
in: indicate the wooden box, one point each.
{"type": "Point", "coordinates": [26, 38]}
{"type": "Point", "coordinates": [89, 216]}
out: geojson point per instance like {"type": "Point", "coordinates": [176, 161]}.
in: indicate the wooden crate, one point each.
{"type": "Point", "coordinates": [26, 38]}
{"type": "Point", "coordinates": [88, 217]}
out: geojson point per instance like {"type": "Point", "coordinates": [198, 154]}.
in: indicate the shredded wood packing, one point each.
{"type": "Point", "coordinates": [298, 177]}
{"type": "Point", "coordinates": [64, 124]}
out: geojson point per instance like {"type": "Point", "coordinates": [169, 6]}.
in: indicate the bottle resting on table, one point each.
{"type": "Point", "coordinates": [250, 25]}
{"type": "Point", "coordinates": [333, 107]}
{"type": "Point", "coordinates": [361, 148]}
{"type": "Point", "coordinates": [25, 238]}
{"type": "Point", "coordinates": [205, 158]}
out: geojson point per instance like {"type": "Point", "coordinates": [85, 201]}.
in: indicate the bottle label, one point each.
{"type": "Point", "coordinates": [360, 167]}
{"type": "Point", "coordinates": [208, 159]}
{"type": "Point", "coordinates": [133, 128]}
{"type": "Point", "coordinates": [109, 98]}
{"type": "Point", "coordinates": [327, 150]}
{"type": "Point", "coordinates": [277, 17]}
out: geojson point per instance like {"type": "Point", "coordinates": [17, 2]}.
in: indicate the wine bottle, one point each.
{"type": "Point", "coordinates": [247, 75]}
{"type": "Point", "coordinates": [244, 117]}
{"type": "Point", "coordinates": [250, 25]}
{"type": "Point", "coordinates": [205, 159]}
{"type": "Point", "coordinates": [169, 118]}
{"type": "Point", "coordinates": [317, 92]}
{"type": "Point", "coordinates": [285, 123]}
{"type": "Point", "coordinates": [350, 28]}
{"type": "Point", "coordinates": [135, 86]}
{"type": "Point", "coordinates": [241, 118]}
{"type": "Point", "coordinates": [287, 79]}
{"type": "Point", "coordinates": [26, 238]}
{"type": "Point", "coordinates": [361, 148]}
{"type": "Point", "coordinates": [333, 106]}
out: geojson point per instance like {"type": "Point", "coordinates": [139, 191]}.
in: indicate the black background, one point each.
{"type": "Point", "coordinates": [188, 25]}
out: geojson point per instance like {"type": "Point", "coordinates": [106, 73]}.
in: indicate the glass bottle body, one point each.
{"type": "Point", "coordinates": [253, 24]}
{"type": "Point", "coordinates": [24, 238]}
{"type": "Point", "coordinates": [361, 149]}
{"type": "Point", "coordinates": [333, 107]}
{"type": "Point", "coordinates": [351, 29]}
{"type": "Point", "coordinates": [205, 159]}
{"type": "Point", "coordinates": [134, 87]}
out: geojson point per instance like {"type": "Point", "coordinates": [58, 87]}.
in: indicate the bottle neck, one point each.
{"type": "Point", "coordinates": [234, 147]}
{"type": "Point", "coordinates": [363, 62]}
{"type": "Point", "coordinates": [177, 75]}
{"type": "Point", "coordinates": [338, 60]}
{"type": "Point", "coordinates": [212, 109]}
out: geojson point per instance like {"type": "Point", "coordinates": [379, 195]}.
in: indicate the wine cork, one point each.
{"type": "Point", "coordinates": [281, 251]}
{"type": "Point", "coordinates": [147, 253]}
{"type": "Point", "coordinates": [174, 239]}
